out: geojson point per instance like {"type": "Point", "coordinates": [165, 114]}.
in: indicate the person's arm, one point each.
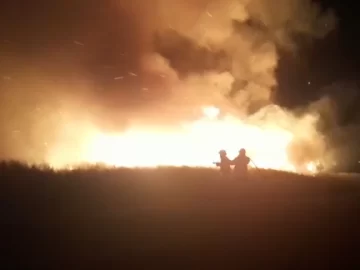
{"type": "Point", "coordinates": [233, 161]}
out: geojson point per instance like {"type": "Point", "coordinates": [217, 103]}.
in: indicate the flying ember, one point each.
{"type": "Point", "coordinates": [193, 144]}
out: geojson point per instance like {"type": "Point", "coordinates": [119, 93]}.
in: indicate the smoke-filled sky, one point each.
{"type": "Point", "coordinates": [103, 40]}
{"type": "Point", "coordinates": [117, 56]}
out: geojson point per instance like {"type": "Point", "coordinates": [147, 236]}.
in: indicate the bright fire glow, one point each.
{"type": "Point", "coordinates": [193, 144]}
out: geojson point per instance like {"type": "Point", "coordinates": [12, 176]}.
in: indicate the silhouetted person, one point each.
{"type": "Point", "coordinates": [224, 164]}
{"type": "Point", "coordinates": [241, 163]}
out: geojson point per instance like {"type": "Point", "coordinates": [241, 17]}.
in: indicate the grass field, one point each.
{"type": "Point", "coordinates": [181, 218]}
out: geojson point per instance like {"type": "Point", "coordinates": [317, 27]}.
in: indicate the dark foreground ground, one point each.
{"type": "Point", "coordinates": [176, 218]}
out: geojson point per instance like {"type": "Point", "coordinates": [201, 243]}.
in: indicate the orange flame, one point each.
{"type": "Point", "coordinates": [192, 144]}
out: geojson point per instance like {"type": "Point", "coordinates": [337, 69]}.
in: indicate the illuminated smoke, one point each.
{"type": "Point", "coordinates": [230, 50]}
{"type": "Point", "coordinates": [183, 54]}
{"type": "Point", "coordinates": [239, 36]}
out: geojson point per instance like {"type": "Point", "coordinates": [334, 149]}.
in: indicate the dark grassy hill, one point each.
{"type": "Point", "coordinates": [97, 218]}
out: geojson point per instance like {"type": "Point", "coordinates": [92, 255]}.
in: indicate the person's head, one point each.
{"type": "Point", "coordinates": [242, 152]}
{"type": "Point", "coordinates": [222, 153]}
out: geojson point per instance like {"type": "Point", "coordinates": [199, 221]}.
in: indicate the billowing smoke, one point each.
{"type": "Point", "coordinates": [340, 122]}
{"type": "Point", "coordinates": [227, 52]}
{"type": "Point", "coordinates": [176, 54]}
{"type": "Point", "coordinates": [242, 37]}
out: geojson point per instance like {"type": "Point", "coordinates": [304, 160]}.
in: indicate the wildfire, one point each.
{"type": "Point", "coordinates": [192, 144]}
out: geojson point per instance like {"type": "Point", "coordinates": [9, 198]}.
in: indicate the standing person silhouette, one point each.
{"type": "Point", "coordinates": [241, 163]}
{"type": "Point", "coordinates": [224, 164]}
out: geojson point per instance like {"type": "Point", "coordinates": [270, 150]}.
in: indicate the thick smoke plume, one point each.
{"type": "Point", "coordinates": [230, 49]}
{"type": "Point", "coordinates": [242, 37]}
{"type": "Point", "coordinates": [176, 53]}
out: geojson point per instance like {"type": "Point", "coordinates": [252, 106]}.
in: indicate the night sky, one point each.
{"type": "Point", "coordinates": [100, 43]}
{"type": "Point", "coordinates": [334, 59]}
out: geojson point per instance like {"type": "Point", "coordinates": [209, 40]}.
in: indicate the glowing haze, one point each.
{"type": "Point", "coordinates": [207, 70]}
{"type": "Point", "coordinates": [196, 143]}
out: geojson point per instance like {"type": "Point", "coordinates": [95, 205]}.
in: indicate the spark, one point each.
{"type": "Point", "coordinates": [78, 43]}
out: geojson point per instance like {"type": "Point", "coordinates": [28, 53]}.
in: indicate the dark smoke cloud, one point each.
{"type": "Point", "coordinates": [340, 121]}
{"type": "Point", "coordinates": [241, 37]}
